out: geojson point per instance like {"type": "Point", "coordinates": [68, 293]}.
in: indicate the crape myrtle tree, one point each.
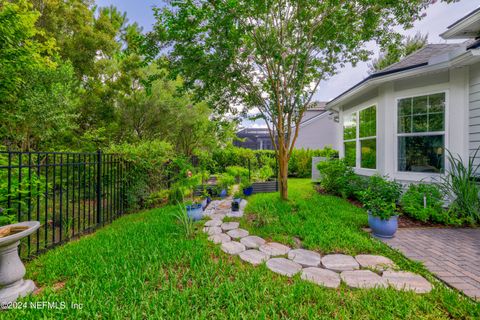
{"type": "Point", "coordinates": [269, 57]}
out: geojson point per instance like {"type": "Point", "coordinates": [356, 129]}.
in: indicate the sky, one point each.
{"type": "Point", "coordinates": [439, 16]}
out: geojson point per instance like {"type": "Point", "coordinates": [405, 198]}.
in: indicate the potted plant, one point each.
{"type": "Point", "coordinates": [225, 182]}
{"type": "Point", "coordinates": [194, 211]}
{"type": "Point", "coordinates": [380, 199]}
{"type": "Point", "coordinates": [237, 198]}
{"type": "Point", "coordinates": [247, 188]}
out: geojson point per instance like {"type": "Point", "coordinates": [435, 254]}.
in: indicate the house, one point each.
{"type": "Point", "coordinates": [401, 120]}
{"type": "Point", "coordinates": [318, 128]}
{"type": "Point", "coordinates": [254, 138]}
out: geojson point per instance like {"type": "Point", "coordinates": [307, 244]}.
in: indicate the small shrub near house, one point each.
{"type": "Point", "coordinates": [381, 196]}
{"type": "Point", "coordinates": [336, 176]}
{"type": "Point", "coordinates": [424, 202]}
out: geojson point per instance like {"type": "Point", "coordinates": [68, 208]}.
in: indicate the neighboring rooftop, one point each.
{"type": "Point", "coordinates": [467, 27]}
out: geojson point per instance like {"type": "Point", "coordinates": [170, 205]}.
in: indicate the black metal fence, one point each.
{"type": "Point", "coordinates": [69, 193]}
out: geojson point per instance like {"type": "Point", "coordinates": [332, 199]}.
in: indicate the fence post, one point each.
{"type": "Point", "coordinates": [99, 187]}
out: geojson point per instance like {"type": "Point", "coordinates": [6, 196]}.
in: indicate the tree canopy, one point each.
{"type": "Point", "coordinates": [271, 56]}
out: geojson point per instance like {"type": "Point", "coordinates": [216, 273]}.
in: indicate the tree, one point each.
{"type": "Point", "coordinates": [396, 53]}
{"type": "Point", "coordinates": [21, 52]}
{"type": "Point", "coordinates": [272, 55]}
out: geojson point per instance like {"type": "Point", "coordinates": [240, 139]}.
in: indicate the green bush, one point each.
{"type": "Point", "coordinates": [380, 196]}
{"type": "Point", "coordinates": [424, 202]}
{"type": "Point", "coordinates": [460, 184]}
{"type": "Point", "coordinates": [335, 177]}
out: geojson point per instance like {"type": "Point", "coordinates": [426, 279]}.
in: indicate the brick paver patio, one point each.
{"type": "Point", "coordinates": [453, 255]}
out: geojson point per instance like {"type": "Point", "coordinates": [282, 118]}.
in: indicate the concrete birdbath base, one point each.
{"type": "Point", "coordinates": [12, 270]}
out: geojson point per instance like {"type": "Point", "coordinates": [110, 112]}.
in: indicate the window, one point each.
{"type": "Point", "coordinates": [364, 138]}
{"type": "Point", "coordinates": [349, 137]}
{"type": "Point", "coordinates": [421, 133]}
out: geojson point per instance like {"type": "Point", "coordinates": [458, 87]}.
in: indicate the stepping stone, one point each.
{"type": "Point", "coordinates": [235, 214]}
{"type": "Point", "coordinates": [252, 242]}
{"type": "Point", "coordinates": [274, 249]}
{"type": "Point", "coordinates": [243, 204]}
{"type": "Point", "coordinates": [212, 230]}
{"type": "Point", "coordinates": [220, 238]}
{"type": "Point", "coordinates": [253, 256]}
{"type": "Point", "coordinates": [284, 266]}
{"type": "Point", "coordinates": [304, 257]}
{"type": "Point", "coordinates": [364, 279]}
{"type": "Point", "coordinates": [226, 226]}
{"type": "Point", "coordinates": [233, 247]}
{"type": "Point", "coordinates": [322, 277]}
{"type": "Point", "coordinates": [217, 216]}
{"type": "Point", "coordinates": [237, 233]}
{"type": "Point", "coordinates": [402, 280]}
{"type": "Point", "coordinates": [213, 223]}
{"type": "Point", "coordinates": [339, 262]}
{"type": "Point", "coordinates": [374, 262]}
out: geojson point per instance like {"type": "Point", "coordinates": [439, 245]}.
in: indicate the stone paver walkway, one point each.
{"type": "Point", "coordinates": [329, 270]}
{"type": "Point", "coordinates": [453, 255]}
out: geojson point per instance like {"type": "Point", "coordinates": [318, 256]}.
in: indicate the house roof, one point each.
{"type": "Point", "coordinates": [429, 55]}
{"type": "Point", "coordinates": [421, 56]}
{"type": "Point", "coordinates": [464, 28]}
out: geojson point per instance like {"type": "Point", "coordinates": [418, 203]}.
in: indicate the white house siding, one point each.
{"type": "Point", "coordinates": [474, 110]}
{"type": "Point", "coordinates": [454, 82]}
{"type": "Point", "coordinates": [318, 133]}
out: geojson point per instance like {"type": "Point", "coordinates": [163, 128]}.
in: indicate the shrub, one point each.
{"type": "Point", "coordinates": [335, 177]}
{"type": "Point", "coordinates": [424, 202]}
{"type": "Point", "coordinates": [238, 172]}
{"type": "Point", "coordinates": [459, 183]}
{"type": "Point", "coordinates": [381, 196]}
{"type": "Point", "coordinates": [175, 195]}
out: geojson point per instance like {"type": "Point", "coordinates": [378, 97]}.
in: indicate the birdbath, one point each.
{"type": "Point", "coordinates": [12, 270]}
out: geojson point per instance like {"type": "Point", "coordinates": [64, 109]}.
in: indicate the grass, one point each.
{"type": "Point", "coordinates": [142, 267]}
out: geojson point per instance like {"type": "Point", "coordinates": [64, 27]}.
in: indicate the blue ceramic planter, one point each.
{"type": "Point", "coordinates": [383, 228]}
{"type": "Point", "coordinates": [248, 191]}
{"type": "Point", "coordinates": [195, 211]}
{"type": "Point", "coordinates": [204, 204]}
{"type": "Point", "coordinates": [223, 193]}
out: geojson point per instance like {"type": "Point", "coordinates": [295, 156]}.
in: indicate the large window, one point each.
{"type": "Point", "coordinates": [421, 133]}
{"type": "Point", "coordinates": [362, 141]}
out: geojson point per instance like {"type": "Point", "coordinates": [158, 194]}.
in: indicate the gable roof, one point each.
{"type": "Point", "coordinates": [464, 28]}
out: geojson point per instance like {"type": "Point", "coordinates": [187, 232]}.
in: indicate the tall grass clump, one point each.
{"type": "Point", "coordinates": [460, 184]}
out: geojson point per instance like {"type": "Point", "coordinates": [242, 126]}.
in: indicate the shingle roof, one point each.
{"type": "Point", "coordinates": [422, 56]}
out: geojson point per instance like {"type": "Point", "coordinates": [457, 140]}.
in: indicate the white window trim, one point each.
{"type": "Point", "coordinates": [409, 175]}
{"type": "Point", "coordinates": [356, 110]}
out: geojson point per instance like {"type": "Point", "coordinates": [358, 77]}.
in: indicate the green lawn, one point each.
{"type": "Point", "coordinates": [140, 267]}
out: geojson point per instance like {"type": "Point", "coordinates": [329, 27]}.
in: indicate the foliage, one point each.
{"type": "Point", "coordinates": [335, 176]}
{"type": "Point", "coordinates": [424, 202]}
{"type": "Point", "coordinates": [186, 223]}
{"type": "Point", "coordinates": [395, 53]}
{"type": "Point", "coordinates": [23, 48]}
{"type": "Point", "coordinates": [381, 196]}
{"type": "Point", "coordinates": [226, 180]}
{"type": "Point", "coordinates": [300, 163]}
{"type": "Point", "coordinates": [240, 173]}
{"type": "Point", "coordinates": [264, 174]}
{"type": "Point", "coordinates": [459, 183]}
{"type": "Point", "coordinates": [147, 170]}
{"type": "Point", "coordinates": [271, 56]}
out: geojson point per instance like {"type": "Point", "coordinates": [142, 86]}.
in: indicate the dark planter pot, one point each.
{"type": "Point", "coordinates": [209, 199]}
{"type": "Point", "coordinates": [236, 204]}
{"type": "Point", "coordinates": [248, 191]}
{"type": "Point", "coordinates": [383, 228]}
{"type": "Point", "coordinates": [195, 211]}
{"type": "Point", "coordinates": [223, 193]}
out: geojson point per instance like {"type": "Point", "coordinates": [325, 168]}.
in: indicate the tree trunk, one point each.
{"type": "Point", "coordinates": [282, 169]}
{"type": "Point", "coordinates": [283, 178]}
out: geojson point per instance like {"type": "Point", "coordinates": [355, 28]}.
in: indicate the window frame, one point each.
{"type": "Point", "coordinates": [416, 94]}
{"type": "Point", "coordinates": [358, 147]}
